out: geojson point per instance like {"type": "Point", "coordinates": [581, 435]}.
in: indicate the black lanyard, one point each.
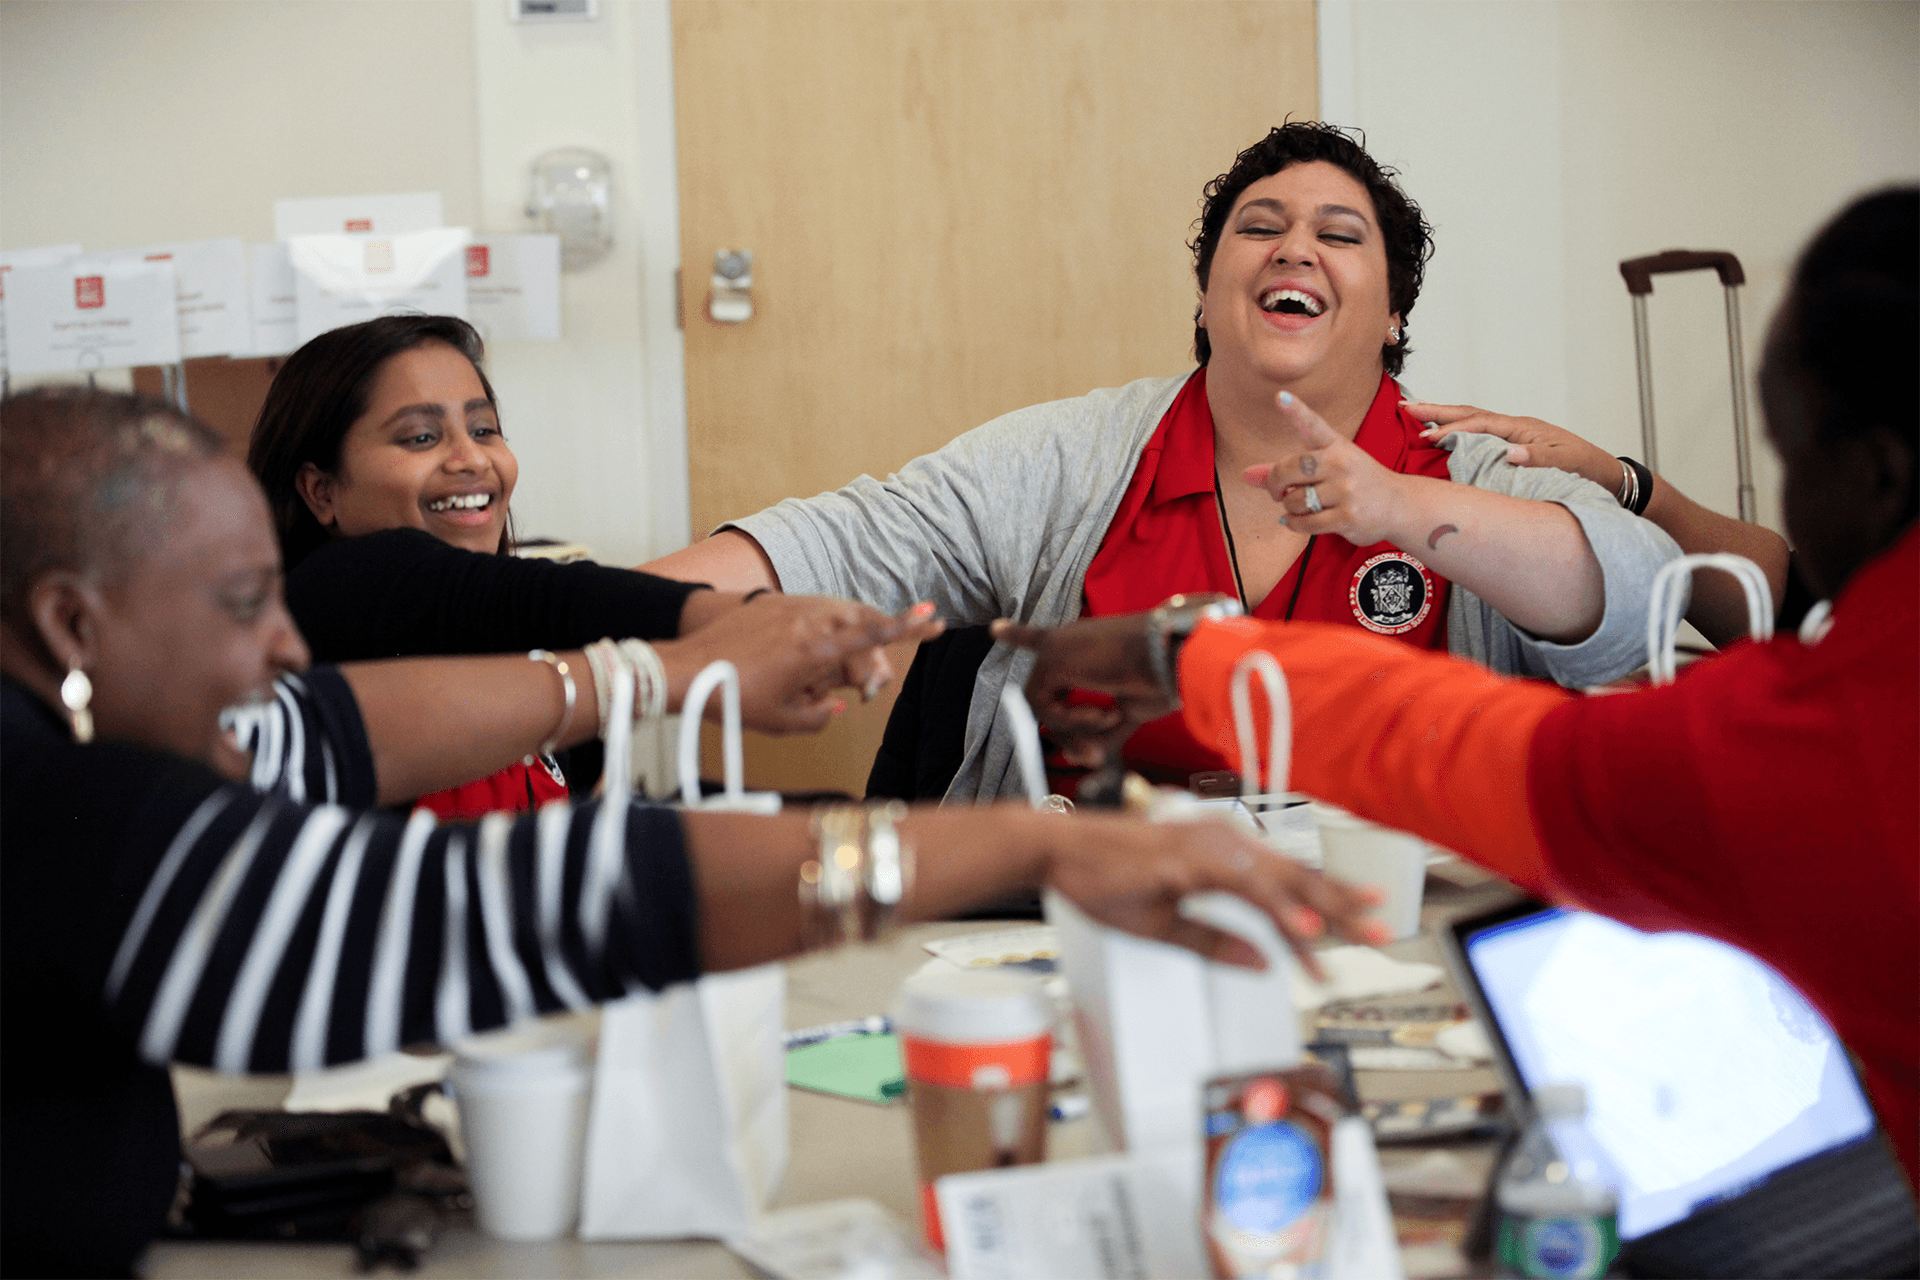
{"type": "Point", "coordinates": [1233, 555]}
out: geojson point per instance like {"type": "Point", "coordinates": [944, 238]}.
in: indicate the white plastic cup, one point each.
{"type": "Point", "coordinates": [523, 1118]}
{"type": "Point", "coordinates": [1365, 853]}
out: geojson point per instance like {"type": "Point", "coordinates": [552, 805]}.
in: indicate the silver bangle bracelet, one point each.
{"type": "Point", "coordinates": [568, 691]}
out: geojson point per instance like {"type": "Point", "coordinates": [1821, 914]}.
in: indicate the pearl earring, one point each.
{"type": "Point", "coordinates": [76, 691]}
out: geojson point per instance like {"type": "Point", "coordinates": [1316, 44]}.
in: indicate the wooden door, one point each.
{"type": "Point", "coordinates": [956, 208]}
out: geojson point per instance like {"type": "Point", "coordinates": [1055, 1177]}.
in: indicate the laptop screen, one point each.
{"type": "Point", "coordinates": [1705, 1071]}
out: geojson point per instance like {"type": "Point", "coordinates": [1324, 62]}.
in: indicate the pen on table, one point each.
{"type": "Point", "coordinates": [878, 1024]}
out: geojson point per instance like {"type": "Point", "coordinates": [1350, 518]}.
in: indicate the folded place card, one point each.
{"type": "Point", "coordinates": [513, 287]}
{"type": "Point", "coordinates": [276, 329]}
{"type": "Point", "coordinates": [49, 255]}
{"type": "Point", "coordinates": [91, 313]}
{"type": "Point", "coordinates": [210, 290]}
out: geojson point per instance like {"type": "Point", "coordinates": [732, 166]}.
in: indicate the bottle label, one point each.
{"type": "Point", "coordinates": [1557, 1248]}
{"type": "Point", "coordinates": [1268, 1176]}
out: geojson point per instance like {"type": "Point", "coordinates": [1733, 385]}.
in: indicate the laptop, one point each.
{"type": "Point", "coordinates": [1720, 1104]}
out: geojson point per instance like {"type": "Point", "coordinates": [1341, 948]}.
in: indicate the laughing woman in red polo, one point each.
{"type": "Point", "coordinates": [1309, 258]}
{"type": "Point", "coordinates": [1768, 798]}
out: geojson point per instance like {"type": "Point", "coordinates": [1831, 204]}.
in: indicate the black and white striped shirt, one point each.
{"type": "Point", "coordinates": [289, 927]}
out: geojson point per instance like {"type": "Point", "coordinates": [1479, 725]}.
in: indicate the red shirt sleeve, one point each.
{"type": "Point", "coordinates": [1771, 799]}
{"type": "Point", "coordinates": [1419, 741]}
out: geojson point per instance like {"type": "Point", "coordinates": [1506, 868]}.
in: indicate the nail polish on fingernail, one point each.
{"type": "Point", "coordinates": [924, 608]}
{"type": "Point", "coordinates": [1286, 397]}
{"type": "Point", "coordinates": [1307, 923]}
{"type": "Point", "coordinates": [1378, 932]}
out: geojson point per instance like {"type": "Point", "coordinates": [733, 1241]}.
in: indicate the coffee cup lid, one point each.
{"type": "Point", "coordinates": [972, 1006]}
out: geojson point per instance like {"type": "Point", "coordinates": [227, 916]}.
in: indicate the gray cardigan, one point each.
{"type": "Point", "coordinates": [1003, 522]}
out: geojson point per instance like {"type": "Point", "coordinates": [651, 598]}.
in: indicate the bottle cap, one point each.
{"type": "Point", "coordinates": [1560, 1101]}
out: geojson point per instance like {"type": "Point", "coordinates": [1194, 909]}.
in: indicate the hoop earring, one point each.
{"type": "Point", "coordinates": [76, 691]}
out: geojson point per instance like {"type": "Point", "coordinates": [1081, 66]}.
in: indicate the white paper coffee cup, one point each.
{"type": "Point", "coordinates": [1365, 853]}
{"type": "Point", "coordinates": [522, 1097]}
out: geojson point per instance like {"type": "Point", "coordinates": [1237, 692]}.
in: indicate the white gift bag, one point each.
{"type": "Point", "coordinates": [1669, 601]}
{"type": "Point", "coordinates": [687, 1133]}
{"type": "Point", "coordinates": [1156, 1021]}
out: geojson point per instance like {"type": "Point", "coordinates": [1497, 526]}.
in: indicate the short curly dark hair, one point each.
{"type": "Point", "coordinates": [1408, 238]}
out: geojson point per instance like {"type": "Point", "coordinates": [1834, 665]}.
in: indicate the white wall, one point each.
{"type": "Point", "coordinates": [1546, 139]}
{"type": "Point", "coordinates": [1549, 140]}
{"type": "Point", "coordinates": [606, 460]}
{"type": "Point", "coordinates": [127, 123]}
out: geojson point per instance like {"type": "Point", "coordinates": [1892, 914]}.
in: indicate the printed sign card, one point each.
{"type": "Point", "coordinates": [51, 255]}
{"type": "Point", "coordinates": [391, 215]}
{"type": "Point", "coordinates": [211, 284]}
{"type": "Point", "coordinates": [270, 291]}
{"type": "Point", "coordinates": [513, 286]}
{"type": "Point", "coordinates": [91, 313]}
{"type": "Point", "coordinates": [341, 280]}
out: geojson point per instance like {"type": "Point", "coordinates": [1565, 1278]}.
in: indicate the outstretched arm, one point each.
{"type": "Point", "coordinates": [730, 560]}
{"type": "Point", "coordinates": [1529, 560]}
{"type": "Point", "coordinates": [1419, 741]}
{"type": "Point", "coordinates": [1124, 872]}
{"type": "Point", "coordinates": [428, 933]}
{"type": "Point", "coordinates": [1719, 608]}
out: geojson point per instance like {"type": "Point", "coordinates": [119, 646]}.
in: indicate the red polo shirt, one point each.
{"type": "Point", "coordinates": [1166, 539]}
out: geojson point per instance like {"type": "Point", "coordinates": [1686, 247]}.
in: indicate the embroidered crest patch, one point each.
{"type": "Point", "coordinates": [1391, 593]}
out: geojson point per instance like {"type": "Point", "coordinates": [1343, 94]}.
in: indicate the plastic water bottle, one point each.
{"type": "Point", "coordinates": [1556, 1222]}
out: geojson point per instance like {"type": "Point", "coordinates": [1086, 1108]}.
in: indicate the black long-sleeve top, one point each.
{"type": "Point", "coordinates": [405, 593]}
{"type": "Point", "coordinates": [154, 913]}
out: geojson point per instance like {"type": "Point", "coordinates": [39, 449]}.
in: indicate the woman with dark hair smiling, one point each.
{"type": "Point", "coordinates": [390, 482]}
{"type": "Point", "coordinates": [1308, 258]}
{"type": "Point", "coordinates": [156, 910]}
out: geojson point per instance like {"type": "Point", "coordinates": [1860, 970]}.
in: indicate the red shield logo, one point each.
{"type": "Point", "coordinates": [89, 291]}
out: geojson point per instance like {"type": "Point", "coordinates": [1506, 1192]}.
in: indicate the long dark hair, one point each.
{"type": "Point", "coordinates": [1408, 238]}
{"type": "Point", "coordinates": [319, 393]}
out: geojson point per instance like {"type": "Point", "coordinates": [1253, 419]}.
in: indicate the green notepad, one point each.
{"type": "Point", "coordinates": [852, 1067]}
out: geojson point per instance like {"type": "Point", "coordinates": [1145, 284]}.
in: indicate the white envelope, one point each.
{"type": "Point", "coordinates": [513, 287]}
{"type": "Point", "coordinates": [388, 215]}
{"type": "Point", "coordinates": [51, 255]}
{"type": "Point", "coordinates": [276, 329]}
{"type": "Point", "coordinates": [91, 314]}
{"type": "Point", "coordinates": [341, 280]}
{"type": "Point", "coordinates": [210, 282]}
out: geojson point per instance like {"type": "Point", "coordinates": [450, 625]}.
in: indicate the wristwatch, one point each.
{"type": "Point", "coordinates": [1169, 625]}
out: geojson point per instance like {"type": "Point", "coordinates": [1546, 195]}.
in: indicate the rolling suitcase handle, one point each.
{"type": "Point", "coordinates": [1639, 274]}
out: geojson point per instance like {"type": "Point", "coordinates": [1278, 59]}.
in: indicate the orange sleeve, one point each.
{"type": "Point", "coordinates": [1419, 741]}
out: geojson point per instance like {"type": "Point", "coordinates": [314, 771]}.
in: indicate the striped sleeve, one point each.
{"type": "Point", "coordinates": [266, 936]}
{"type": "Point", "coordinates": [308, 742]}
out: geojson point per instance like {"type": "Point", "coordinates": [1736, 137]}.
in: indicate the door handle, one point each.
{"type": "Point", "coordinates": [730, 295]}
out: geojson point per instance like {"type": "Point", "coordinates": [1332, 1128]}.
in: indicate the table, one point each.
{"type": "Point", "coordinates": [839, 1147]}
